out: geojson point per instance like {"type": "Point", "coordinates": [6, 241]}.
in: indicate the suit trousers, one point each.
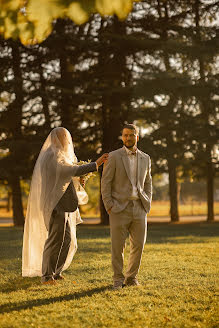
{"type": "Point", "coordinates": [131, 221]}
{"type": "Point", "coordinates": [56, 246]}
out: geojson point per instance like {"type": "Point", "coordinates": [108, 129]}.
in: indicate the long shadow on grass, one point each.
{"type": "Point", "coordinates": [93, 232]}
{"type": "Point", "coordinates": [10, 242]}
{"type": "Point", "coordinates": [18, 283]}
{"type": "Point", "coordinates": [7, 308]}
{"type": "Point", "coordinates": [161, 233]}
{"type": "Point", "coordinates": [200, 232]}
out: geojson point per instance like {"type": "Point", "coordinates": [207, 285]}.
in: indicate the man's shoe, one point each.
{"type": "Point", "coordinates": [118, 285]}
{"type": "Point", "coordinates": [58, 277]}
{"type": "Point", "coordinates": [132, 282]}
{"type": "Point", "coordinates": [49, 282]}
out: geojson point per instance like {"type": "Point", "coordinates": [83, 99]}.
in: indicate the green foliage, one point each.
{"type": "Point", "coordinates": [92, 188]}
{"type": "Point", "coordinates": [179, 283]}
{"type": "Point", "coordinates": [3, 190]}
{"type": "Point", "coordinates": [25, 187]}
{"type": "Point", "coordinates": [32, 20]}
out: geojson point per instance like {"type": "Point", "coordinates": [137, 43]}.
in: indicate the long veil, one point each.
{"type": "Point", "coordinates": [50, 179]}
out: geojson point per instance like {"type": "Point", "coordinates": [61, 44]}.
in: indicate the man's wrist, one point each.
{"type": "Point", "coordinates": [97, 166]}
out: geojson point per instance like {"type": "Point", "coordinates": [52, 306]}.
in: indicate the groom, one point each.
{"type": "Point", "coordinates": [127, 191]}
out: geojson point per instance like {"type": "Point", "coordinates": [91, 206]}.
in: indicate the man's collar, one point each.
{"type": "Point", "coordinates": [129, 151]}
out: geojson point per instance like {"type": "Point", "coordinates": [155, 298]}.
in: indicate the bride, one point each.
{"type": "Point", "coordinates": [49, 241]}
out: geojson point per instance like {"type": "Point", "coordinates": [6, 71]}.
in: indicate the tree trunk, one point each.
{"type": "Point", "coordinates": [17, 206]}
{"type": "Point", "coordinates": [17, 134]}
{"type": "Point", "coordinates": [44, 98]}
{"type": "Point", "coordinates": [18, 89]}
{"type": "Point", "coordinates": [66, 81]}
{"type": "Point", "coordinates": [66, 110]}
{"type": "Point", "coordinates": [103, 213]}
{"type": "Point", "coordinates": [114, 105]}
{"type": "Point", "coordinates": [206, 118]}
{"type": "Point", "coordinates": [173, 188]}
{"type": "Point", "coordinates": [173, 192]}
{"type": "Point", "coordinates": [9, 201]}
{"type": "Point", "coordinates": [178, 192]}
{"type": "Point", "coordinates": [210, 186]}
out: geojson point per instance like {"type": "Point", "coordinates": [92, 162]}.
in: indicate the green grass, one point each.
{"type": "Point", "coordinates": [178, 275]}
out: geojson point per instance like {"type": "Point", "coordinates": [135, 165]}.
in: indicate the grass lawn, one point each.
{"type": "Point", "coordinates": [179, 275]}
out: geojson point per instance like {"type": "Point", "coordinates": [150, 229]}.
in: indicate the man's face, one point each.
{"type": "Point", "coordinates": [129, 138]}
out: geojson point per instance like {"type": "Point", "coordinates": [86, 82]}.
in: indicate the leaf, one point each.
{"type": "Point", "coordinates": [11, 5]}
{"type": "Point", "coordinates": [42, 13]}
{"type": "Point", "coordinates": [77, 13]}
{"type": "Point", "coordinates": [32, 20]}
{"type": "Point", "coordinates": [26, 30]}
{"type": "Point", "coordinates": [10, 27]}
{"type": "Point", "coordinates": [119, 7]}
{"type": "Point", "coordinates": [8, 17]}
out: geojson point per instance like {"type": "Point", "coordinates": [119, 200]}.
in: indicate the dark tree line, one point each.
{"type": "Point", "coordinates": [158, 68]}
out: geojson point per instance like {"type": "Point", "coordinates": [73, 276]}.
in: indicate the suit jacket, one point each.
{"type": "Point", "coordinates": [116, 187]}
{"type": "Point", "coordinates": [69, 200]}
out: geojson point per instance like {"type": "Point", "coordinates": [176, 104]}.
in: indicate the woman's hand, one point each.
{"type": "Point", "coordinates": [82, 181]}
{"type": "Point", "coordinates": [102, 159]}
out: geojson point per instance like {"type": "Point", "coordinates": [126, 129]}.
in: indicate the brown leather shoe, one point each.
{"type": "Point", "coordinates": [59, 277]}
{"type": "Point", "coordinates": [49, 282]}
{"type": "Point", "coordinates": [132, 282]}
{"type": "Point", "coordinates": [118, 285]}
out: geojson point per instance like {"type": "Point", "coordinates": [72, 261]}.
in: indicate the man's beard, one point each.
{"type": "Point", "coordinates": [129, 146]}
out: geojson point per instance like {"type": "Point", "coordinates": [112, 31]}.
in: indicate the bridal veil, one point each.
{"type": "Point", "coordinates": [52, 174]}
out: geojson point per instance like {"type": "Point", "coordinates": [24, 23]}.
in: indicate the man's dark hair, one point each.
{"type": "Point", "coordinates": [131, 127]}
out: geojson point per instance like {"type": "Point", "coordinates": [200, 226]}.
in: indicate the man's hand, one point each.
{"type": "Point", "coordinates": [109, 211]}
{"type": "Point", "coordinates": [102, 159]}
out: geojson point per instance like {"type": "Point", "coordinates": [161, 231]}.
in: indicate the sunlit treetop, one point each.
{"type": "Point", "coordinates": [31, 20]}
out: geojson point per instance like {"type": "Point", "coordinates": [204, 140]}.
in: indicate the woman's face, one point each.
{"type": "Point", "coordinates": [63, 139]}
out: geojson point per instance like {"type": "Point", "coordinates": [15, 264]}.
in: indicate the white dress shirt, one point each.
{"type": "Point", "coordinates": [133, 172]}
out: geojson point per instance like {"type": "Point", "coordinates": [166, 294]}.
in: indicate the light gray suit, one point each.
{"type": "Point", "coordinates": [126, 216]}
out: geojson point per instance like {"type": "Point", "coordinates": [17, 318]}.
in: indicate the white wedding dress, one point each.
{"type": "Point", "coordinates": [52, 174]}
